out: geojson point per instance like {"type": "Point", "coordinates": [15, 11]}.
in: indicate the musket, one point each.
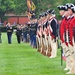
{"type": "Point", "coordinates": [38, 40]}
{"type": "Point", "coordinates": [44, 39]}
{"type": "Point", "coordinates": [49, 44]}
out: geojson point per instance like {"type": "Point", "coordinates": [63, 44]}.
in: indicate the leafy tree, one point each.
{"type": "Point", "coordinates": [5, 7]}
{"type": "Point", "coordinates": [20, 6]}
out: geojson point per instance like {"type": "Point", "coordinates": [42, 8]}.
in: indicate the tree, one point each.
{"type": "Point", "coordinates": [5, 7]}
{"type": "Point", "coordinates": [20, 6]}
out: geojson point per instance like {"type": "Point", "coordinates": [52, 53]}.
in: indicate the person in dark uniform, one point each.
{"type": "Point", "coordinates": [9, 32]}
{"type": "Point", "coordinates": [53, 32]}
{"type": "Point", "coordinates": [0, 36]}
{"type": "Point", "coordinates": [33, 29]}
{"type": "Point", "coordinates": [19, 34]}
{"type": "Point", "coordinates": [25, 32]}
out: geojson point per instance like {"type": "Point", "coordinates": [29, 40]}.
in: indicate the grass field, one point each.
{"type": "Point", "coordinates": [22, 59]}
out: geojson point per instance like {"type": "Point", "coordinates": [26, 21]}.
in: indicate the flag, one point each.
{"type": "Point", "coordinates": [63, 57]}
{"type": "Point", "coordinates": [31, 6]}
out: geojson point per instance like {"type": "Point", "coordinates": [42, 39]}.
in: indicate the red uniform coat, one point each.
{"type": "Point", "coordinates": [62, 30]}
{"type": "Point", "coordinates": [72, 25]}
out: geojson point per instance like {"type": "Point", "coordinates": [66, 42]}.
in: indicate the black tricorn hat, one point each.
{"type": "Point", "coordinates": [40, 16]}
{"type": "Point", "coordinates": [62, 7]}
{"type": "Point", "coordinates": [44, 13]}
{"type": "Point", "coordinates": [69, 5]}
{"type": "Point", "coordinates": [73, 9]}
{"type": "Point", "coordinates": [50, 11]}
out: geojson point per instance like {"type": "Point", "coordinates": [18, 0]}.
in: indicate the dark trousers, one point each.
{"type": "Point", "coordinates": [9, 35]}
{"type": "Point", "coordinates": [25, 36]}
{"type": "Point", "coordinates": [33, 40]}
{"type": "Point", "coordinates": [18, 38]}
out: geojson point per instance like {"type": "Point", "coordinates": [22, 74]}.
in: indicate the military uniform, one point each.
{"type": "Point", "coordinates": [44, 35]}
{"type": "Point", "coordinates": [53, 29]}
{"type": "Point", "coordinates": [38, 36]}
{"type": "Point", "coordinates": [19, 34]}
{"type": "Point", "coordinates": [72, 42]}
{"type": "Point", "coordinates": [33, 30]}
{"type": "Point", "coordinates": [70, 48]}
{"type": "Point", "coordinates": [65, 37]}
{"type": "Point", "coordinates": [9, 32]}
{"type": "Point", "coordinates": [25, 32]}
{"type": "Point", "coordinates": [39, 33]}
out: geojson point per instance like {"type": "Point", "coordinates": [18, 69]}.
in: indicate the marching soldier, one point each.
{"type": "Point", "coordinates": [35, 32]}
{"type": "Point", "coordinates": [45, 40]}
{"type": "Point", "coordinates": [62, 10]}
{"type": "Point", "coordinates": [53, 29]}
{"type": "Point", "coordinates": [9, 32]}
{"type": "Point", "coordinates": [39, 34]}
{"type": "Point", "coordinates": [18, 34]}
{"type": "Point", "coordinates": [65, 39]}
{"type": "Point", "coordinates": [71, 33]}
{"type": "Point", "coordinates": [25, 32]}
{"type": "Point", "coordinates": [69, 52]}
{"type": "Point", "coordinates": [48, 35]}
{"type": "Point", "coordinates": [33, 29]}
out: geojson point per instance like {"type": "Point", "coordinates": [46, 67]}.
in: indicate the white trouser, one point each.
{"type": "Point", "coordinates": [37, 41]}
{"type": "Point", "coordinates": [54, 48]}
{"type": "Point", "coordinates": [49, 44]}
{"type": "Point", "coordinates": [66, 53]}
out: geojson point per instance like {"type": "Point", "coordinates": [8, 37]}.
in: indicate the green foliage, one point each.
{"type": "Point", "coordinates": [20, 6]}
{"type": "Point", "coordinates": [8, 6]}
{"type": "Point", "coordinates": [5, 7]}
{"type": "Point", "coordinates": [43, 5]}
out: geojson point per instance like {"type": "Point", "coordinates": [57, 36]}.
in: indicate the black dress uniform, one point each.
{"type": "Point", "coordinates": [19, 34]}
{"type": "Point", "coordinates": [9, 33]}
{"type": "Point", "coordinates": [25, 32]}
{"type": "Point", "coordinates": [33, 29]}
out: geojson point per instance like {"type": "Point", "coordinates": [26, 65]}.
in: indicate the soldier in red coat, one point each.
{"type": "Point", "coordinates": [72, 38]}
{"type": "Point", "coordinates": [63, 12]}
{"type": "Point", "coordinates": [64, 36]}
{"type": "Point", "coordinates": [66, 23]}
{"type": "Point", "coordinates": [39, 33]}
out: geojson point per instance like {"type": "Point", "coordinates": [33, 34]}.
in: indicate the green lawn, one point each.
{"type": "Point", "coordinates": [22, 59]}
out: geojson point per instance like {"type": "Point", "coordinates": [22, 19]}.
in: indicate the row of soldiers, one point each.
{"type": "Point", "coordinates": [10, 30]}
{"type": "Point", "coordinates": [26, 32]}
{"type": "Point", "coordinates": [43, 34]}
{"type": "Point", "coordinates": [47, 34]}
{"type": "Point", "coordinates": [67, 35]}
{"type": "Point", "coordinates": [29, 32]}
